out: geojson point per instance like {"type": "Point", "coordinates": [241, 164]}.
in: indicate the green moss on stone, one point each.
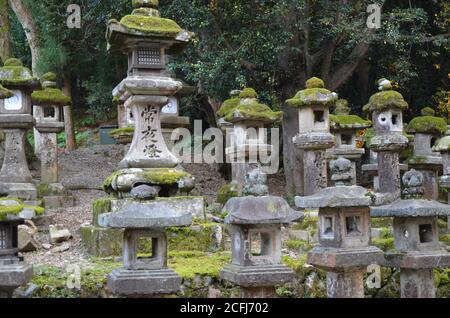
{"type": "Point", "coordinates": [49, 77]}
{"type": "Point", "coordinates": [100, 206]}
{"type": "Point", "coordinates": [386, 100]}
{"type": "Point", "coordinates": [342, 107]}
{"type": "Point", "coordinates": [348, 121]}
{"type": "Point", "coordinates": [16, 76]}
{"type": "Point", "coordinates": [226, 192]}
{"type": "Point", "coordinates": [228, 106]}
{"type": "Point", "coordinates": [427, 111]}
{"type": "Point", "coordinates": [145, 3]}
{"type": "Point", "coordinates": [428, 125]}
{"type": "Point", "coordinates": [313, 96]}
{"type": "Point", "coordinates": [189, 239]}
{"type": "Point", "coordinates": [445, 238]}
{"type": "Point", "coordinates": [13, 62]}
{"type": "Point", "coordinates": [315, 82]}
{"type": "Point", "coordinates": [5, 93]}
{"type": "Point", "coordinates": [50, 96]}
{"type": "Point", "coordinates": [122, 131]}
{"type": "Point", "coordinates": [151, 25]}
{"type": "Point", "coordinates": [38, 210]}
{"type": "Point", "coordinates": [156, 176]}
{"type": "Point", "coordinates": [254, 111]}
{"type": "Point", "coordinates": [248, 93]}
{"type": "Point", "coordinates": [189, 264]}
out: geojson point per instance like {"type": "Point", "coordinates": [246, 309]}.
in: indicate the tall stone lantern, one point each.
{"type": "Point", "coordinates": [256, 220]}
{"type": "Point", "coordinates": [427, 129]}
{"type": "Point", "coordinates": [13, 272]}
{"type": "Point", "coordinates": [416, 238]}
{"type": "Point", "coordinates": [344, 233]}
{"type": "Point", "coordinates": [314, 135]}
{"type": "Point", "coordinates": [443, 146]}
{"type": "Point", "coordinates": [247, 136]}
{"type": "Point", "coordinates": [386, 108]}
{"type": "Point", "coordinates": [150, 174]}
{"type": "Point", "coordinates": [345, 127]}
{"type": "Point", "coordinates": [49, 102]}
{"type": "Point", "coordinates": [15, 120]}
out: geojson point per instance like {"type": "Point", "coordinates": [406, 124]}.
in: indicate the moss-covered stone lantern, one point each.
{"type": "Point", "coordinates": [345, 127]}
{"type": "Point", "coordinates": [247, 137]}
{"type": "Point", "coordinates": [49, 102]}
{"type": "Point", "coordinates": [443, 146]}
{"type": "Point", "coordinates": [416, 238]}
{"type": "Point", "coordinates": [344, 233]}
{"type": "Point", "coordinates": [427, 129]}
{"type": "Point", "coordinates": [314, 137]}
{"type": "Point", "coordinates": [150, 174]}
{"type": "Point", "coordinates": [387, 108]}
{"type": "Point", "coordinates": [15, 120]}
{"type": "Point", "coordinates": [13, 272]}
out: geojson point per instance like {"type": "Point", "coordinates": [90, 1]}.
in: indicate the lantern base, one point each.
{"type": "Point", "coordinates": [14, 276]}
{"type": "Point", "coordinates": [257, 276]}
{"type": "Point", "coordinates": [143, 282]}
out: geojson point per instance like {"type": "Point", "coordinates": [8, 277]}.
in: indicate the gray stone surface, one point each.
{"type": "Point", "coordinates": [331, 259]}
{"type": "Point", "coordinates": [143, 282]}
{"type": "Point", "coordinates": [152, 214]}
{"type": "Point", "coordinates": [259, 210]}
{"type": "Point", "coordinates": [257, 276]}
{"type": "Point", "coordinates": [15, 275]}
{"type": "Point", "coordinates": [346, 196]}
{"type": "Point", "coordinates": [411, 208]}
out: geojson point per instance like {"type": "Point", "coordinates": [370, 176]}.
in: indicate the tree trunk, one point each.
{"type": "Point", "coordinates": [68, 117]}
{"type": "Point", "coordinates": [5, 40]}
{"type": "Point", "coordinates": [29, 26]}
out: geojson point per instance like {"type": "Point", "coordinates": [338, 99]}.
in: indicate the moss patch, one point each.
{"type": "Point", "coordinates": [348, 121]}
{"type": "Point", "coordinates": [189, 264]}
{"type": "Point", "coordinates": [254, 111]}
{"type": "Point", "coordinates": [16, 75]}
{"type": "Point", "coordinates": [5, 93]}
{"type": "Point", "coordinates": [427, 124]}
{"type": "Point", "coordinates": [50, 96]}
{"type": "Point", "coordinates": [49, 77]}
{"type": "Point", "coordinates": [385, 244]}
{"type": "Point", "coordinates": [226, 192]}
{"type": "Point", "coordinates": [427, 111]}
{"type": "Point", "coordinates": [121, 131]}
{"type": "Point", "coordinates": [315, 82]}
{"type": "Point", "coordinates": [151, 25]}
{"type": "Point", "coordinates": [313, 96]}
{"type": "Point", "coordinates": [100, 206]}
{"type": "Point", "coordinates": [228, 106]}
{"type": "Point", "coordinates": [248, 93]}
{"type": "Point", "coordinates": [386, 100]}
{"type": "Point", "coordinates": [13, 62]}
{"type": "Point", "coordinates": [145, 3]}
{"type": "Point", "coordinates": [188, 239]}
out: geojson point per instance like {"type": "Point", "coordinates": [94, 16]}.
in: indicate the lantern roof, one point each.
{"type": "Point", "coordinates": [387, 98]}
{"type": "Point", "coordinates": [14, 74]}
{"type": "Point", "coordinates": [50, 94]}
{"type": "Point", "coordinates": [314, 94]}
{"type": "Point", "coordinates": [145, 25]}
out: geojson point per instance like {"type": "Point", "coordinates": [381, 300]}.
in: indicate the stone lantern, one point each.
{"type": "Point", "coordinates": [255, 220]}
{"type": "Point", "coordinates": [15, 120]}
{"type": "Point", "coordinates": [150, 175]}
{"type": "Point", "coordinates": [416, 238]}
{"type": "Point", "coordinates": [387, 119]}
{"type": "Point", "coordinates": [48, 103]}
{"type": "Point", "coordinates": [443, 146]}
{"type": "Point", "coordinates": [427, 129]}
{"type": "Point", "coordinates": [13, 272]}
{"type": "Point", "coordinates": [345, 127]}
{"type": "Point", "coordinates": [247, 137]}
{"type": "Point", "coordinates": [344, 233]}
{"type": "Point", "coordinates": [314, 136]}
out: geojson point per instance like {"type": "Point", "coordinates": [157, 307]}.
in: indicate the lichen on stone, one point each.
{"type": "Point", "coordinates": [427, 125]}
{"type": "Point", "coordinates": [314, 94]}
{"type": "Point", "coordinates": [386, 100]}
{"type": "Point", "coordinates": [348, 121]}
{"type": "Point", "coordinates": [50, 95]}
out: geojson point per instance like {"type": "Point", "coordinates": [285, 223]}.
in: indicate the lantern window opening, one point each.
{"type": "Point", "coordinates": [425, 233]}
{"type": "Point", "coordinates": [353, 225]}
{"type": "Point", "coordinates": [49, 112]}
{"type": "Point", "coordinates": [3, 238]}
{"type": "Point", "coordinates": [346, 139]}
{"type": "Point", "coordinates": [147, 248]}
{"type": "Point", "coordinates": [328, 227]}
{"type": "Point", "coordinates": [260, 244]}
{"type": "Point", "coordinates": [394, 119]}
{"type": "Point", "coordinates": [319, 116]}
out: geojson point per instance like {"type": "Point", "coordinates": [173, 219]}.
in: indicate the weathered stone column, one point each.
{"type": "Point", "coordinates": [314, 136]}
{"type": "Point", "coordinates": [427, 129]}
{"type": "Point", "coordinates": [345, 127]}
{"type": "Point", "coordinates": [416, 238]}
{"type": "Point", "coordinates": [15, 120]}
{"type": "Point", "coordinates": [247, 138]}
{"type": "Point", "coordinates": [387, 118]}
{"type": "Point", "coordinates": [256, 220]}
{"type": "Point", "coordinates": [443, 146]}
{"type": "Point", "coordinates": [344, 233]}
{"type": "Point", "coordinates": [149, 174]}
